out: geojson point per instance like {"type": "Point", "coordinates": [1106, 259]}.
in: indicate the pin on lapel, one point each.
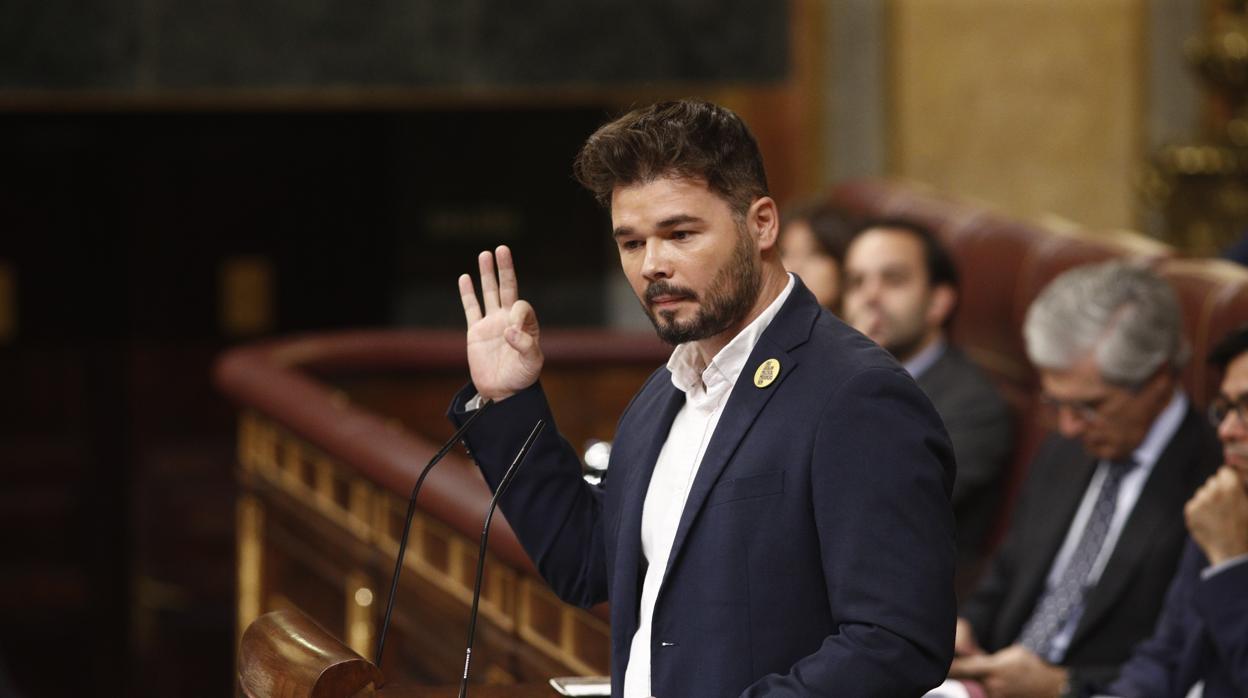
{"type": "Point", "coordinates": [767, 373]}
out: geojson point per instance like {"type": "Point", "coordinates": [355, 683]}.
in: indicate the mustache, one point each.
{"type": "Point", "coordinates": [663, 288]}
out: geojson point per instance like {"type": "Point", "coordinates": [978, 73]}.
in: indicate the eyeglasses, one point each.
{"type": "Point", "coordinates": [1223, 405]}
{"type": "Point", "coordinates": [1084, 410]}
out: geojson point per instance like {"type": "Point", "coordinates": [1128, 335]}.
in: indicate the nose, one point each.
{"type": "Point", "coordinates": [656, 264]}
{"type": "Point", "coordinates": [1069, 423]}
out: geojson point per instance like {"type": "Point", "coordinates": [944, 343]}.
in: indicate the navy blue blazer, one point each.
{"type": "Point", "coordinates": [815, 554]}
{"type": "Point", "coordinates": [1202, 635]}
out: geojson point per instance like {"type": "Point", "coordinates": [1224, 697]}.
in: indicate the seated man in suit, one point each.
{"type": "Point", "coordinates": [1098, 528]}
{"type": "Point", "coordinates": [1200, 646]}
{"type": "Point", "coordinates": [775, 519]}
{"type": "Point", "coordinates": [901, 290]}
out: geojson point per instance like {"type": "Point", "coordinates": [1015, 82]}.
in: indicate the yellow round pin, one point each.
{"type": "Point", "coordinates": [767, 373]}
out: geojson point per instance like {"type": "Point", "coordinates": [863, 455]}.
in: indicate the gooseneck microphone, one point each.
{"type": "Point", "coordinates": [411, 512]}
{"type": "Point", "coordinates": [485, 532]}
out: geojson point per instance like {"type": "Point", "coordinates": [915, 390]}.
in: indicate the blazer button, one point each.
{"type": "Point", "coordinates": [667, 644]}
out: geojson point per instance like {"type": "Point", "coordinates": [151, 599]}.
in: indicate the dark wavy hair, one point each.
{"type": "Point", "coordinates": [1229, 348]}
{"type": "Point", "coordinates": [685, 138]}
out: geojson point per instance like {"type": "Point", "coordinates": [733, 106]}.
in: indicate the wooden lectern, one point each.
{"type": "Point", "coordinates": [285, 654]}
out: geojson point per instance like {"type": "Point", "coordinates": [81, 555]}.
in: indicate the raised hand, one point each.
{"type": "Point", "coordinates": [504, 356]}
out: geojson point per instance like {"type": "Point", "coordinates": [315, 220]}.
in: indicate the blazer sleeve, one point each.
{"type": "Point", "coordinates": [1222, 604]}
{"type": "Point", "coordinates": [881, 476]}
{"type": "Point", "coordinates": [1150, 672]}
{"type": "Point", "coordinates": [557, 516]}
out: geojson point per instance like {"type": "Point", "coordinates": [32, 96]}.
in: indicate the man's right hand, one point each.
{"type": "Point", "coordinates": [504, 356]}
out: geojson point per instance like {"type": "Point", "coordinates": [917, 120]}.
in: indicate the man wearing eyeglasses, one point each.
{"type": "Point", "coordinates": [1200, 646]}
{"type": "Point", "coordinates": [1098, 529]}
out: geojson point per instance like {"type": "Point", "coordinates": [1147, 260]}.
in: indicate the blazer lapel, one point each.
{"type": "Point", "coordinates": [1150, 513]}
{"type": "Point", "coordinates": [1070, 473]}
{"type": "Point", "coordinates": [659, 411]}
{"type": "Point", "coordinates": [790, 328]}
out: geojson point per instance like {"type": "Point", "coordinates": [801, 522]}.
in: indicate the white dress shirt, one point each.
{"type": "Point", "coordinates": [1146, 454]}
{"type": "Point", "coordinates": [706, 388]}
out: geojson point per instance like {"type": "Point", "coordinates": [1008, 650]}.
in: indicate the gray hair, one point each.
{"type": "Point", "coordinates": [1124, 315]}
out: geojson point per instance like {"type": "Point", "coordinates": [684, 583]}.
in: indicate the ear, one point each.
{"type": "Point", "coordinates": [763, 219]}
{"type": "Point", "coordinates": [940, 305]}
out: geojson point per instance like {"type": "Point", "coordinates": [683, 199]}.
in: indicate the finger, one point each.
{"type": "Point", "coordinates": [522, 330]}
{"type": "Point", "coordinates": [968, 667]}
{"type": "Point", "coordinates": [508, 290]}
{"type": "Point", "coordinates": [1227, 478]}
{"type": "Point", "coordinates": [521, 341]}
{"type": "Point", "coordinates": [472, 308]}
{"type": "Point", "coordinates": [489, 282]}
{"type": "Point", "coordinates": [523, 316]}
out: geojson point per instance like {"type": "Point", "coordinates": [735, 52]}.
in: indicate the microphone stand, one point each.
{"type": "Point", "coordinates": [485, 533]}
{"type": "Point", "coordinates": [411, 512]}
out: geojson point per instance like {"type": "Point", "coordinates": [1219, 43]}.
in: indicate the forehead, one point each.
{"type": "Point", "coordinates": [1235, 380]}
{"type": "Point", "coordinates": [1081, 381]}
{"type": "Point", "coordinates": [645, 204]}
{"type": "Point", "coordinates": [883, 247]}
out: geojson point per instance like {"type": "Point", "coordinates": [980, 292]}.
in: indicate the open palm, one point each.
{"type": "Point", "coordinates": [504, 356]}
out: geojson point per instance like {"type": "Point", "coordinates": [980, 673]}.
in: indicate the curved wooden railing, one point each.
{"type": "Point", "coordinates": [333, 430]}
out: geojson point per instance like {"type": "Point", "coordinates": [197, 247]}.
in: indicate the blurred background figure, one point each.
{"type": "Point", "coordinates": [813, 237]}
{"type": "Point", "coordinates": [1098, 529]}
{"type": "Point", "coordinates": [901, 290]}
{"type": "Point", "coordinates": [1200, 640]}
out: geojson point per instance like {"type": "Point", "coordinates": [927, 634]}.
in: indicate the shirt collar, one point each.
{"type": "Point", "coordinates": [714, 381]}
{"type": "Point", "coordinates": [1161, 431]}
{"type": "Point", "coordinates": [920, 362]}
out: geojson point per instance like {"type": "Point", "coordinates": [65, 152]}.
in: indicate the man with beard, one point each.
{"type": "Point", "coordinates": [901, 290]}
{"type": "Point", "coordinates": [775, 519]}
{"type": "Point", "coordinates": [1200, 646]}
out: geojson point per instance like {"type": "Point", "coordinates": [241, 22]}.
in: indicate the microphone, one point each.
{"type": "Point", "coordinates": [485, 532]}
{"type": "Point", "coordinates": [411, 512]}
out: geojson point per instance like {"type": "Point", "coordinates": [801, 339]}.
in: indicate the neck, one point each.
{"type": "Point", "coordinates": [774, 281]}
{"type": "Point", "coordinates": [928, 340]}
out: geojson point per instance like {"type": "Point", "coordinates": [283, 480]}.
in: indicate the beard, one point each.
{"type": "Point", "coordinates": [900, 334]}
{"type": "Point", "coordinates": [906, 344]}
{"type": "Point", "coordinates": [728, 299]}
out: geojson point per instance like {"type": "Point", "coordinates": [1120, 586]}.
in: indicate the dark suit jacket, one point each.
{"type": "Point", "coordinates": [815, 553]}
{"type": "Point", "coordinates": [978, 422]}
{"type": "Point", "coordinates": [1202, 636]}
{"type": "Point", "coordinates": [1122, 607]}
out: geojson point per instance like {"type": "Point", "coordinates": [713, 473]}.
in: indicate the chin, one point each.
{"type": "Point", "coordinates": [1105, 452]}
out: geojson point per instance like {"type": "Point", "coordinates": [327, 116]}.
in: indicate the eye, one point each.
{"type": "Point", "coordinates": [895, 278]}
{"type": "Point", "coordinates": [681, 234]}
{"type": "Point", "coordinates": [630, 245]}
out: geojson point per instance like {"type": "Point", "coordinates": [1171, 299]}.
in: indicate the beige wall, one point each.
{"type": "Point", "coordinates": [1034, 105]}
